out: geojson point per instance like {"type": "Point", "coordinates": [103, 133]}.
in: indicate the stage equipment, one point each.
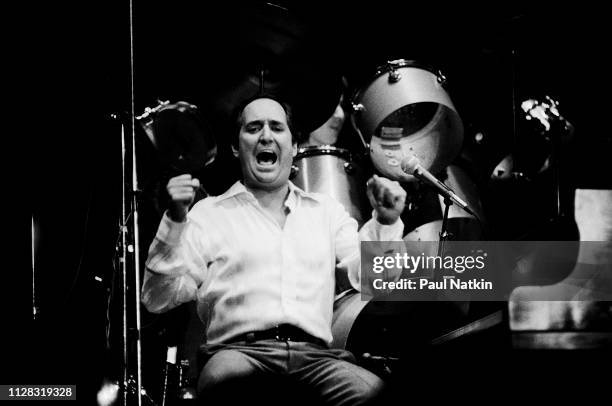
{"type": "Point", "coordinates": [332, 171]}
{"type": "Point", "coordinates": [404, 111]}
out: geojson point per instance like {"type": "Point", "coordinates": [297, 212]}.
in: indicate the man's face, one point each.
{"type": "Point", "coordinates": [265, 146]}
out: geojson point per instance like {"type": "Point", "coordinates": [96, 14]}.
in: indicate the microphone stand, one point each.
{"type": "Point", "coordinates": [130, 270]}
{"type": "Point", "coordinates": [444, 234]}
{"type": "Point", "coordinates": [131, 379]}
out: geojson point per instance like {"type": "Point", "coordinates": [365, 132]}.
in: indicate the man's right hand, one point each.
{"type": "Point", "coordinates": [182, 192]}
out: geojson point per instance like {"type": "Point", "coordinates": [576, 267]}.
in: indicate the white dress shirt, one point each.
{"type": "Point", "coordinates": [249, 274]}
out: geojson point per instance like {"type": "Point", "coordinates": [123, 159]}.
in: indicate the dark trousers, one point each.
{"type": "Point", "coordinates": [279, 372]}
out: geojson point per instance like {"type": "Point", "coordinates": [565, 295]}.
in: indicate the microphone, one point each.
{"type": "Point", "coordinates": [412, 166]}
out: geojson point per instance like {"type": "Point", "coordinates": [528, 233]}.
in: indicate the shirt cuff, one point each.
{"type": "Point", "coordinates": [169, 231]}
{"type": "Point", "coordinates": [386, 232]}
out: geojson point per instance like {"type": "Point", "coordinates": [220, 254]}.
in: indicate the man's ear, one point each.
{"type": "Point", "coordinates": [234, 151]}
{"type": "Point", "coordinates": [295, 149]}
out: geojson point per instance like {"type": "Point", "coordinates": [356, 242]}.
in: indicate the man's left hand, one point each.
{"type": "Point", "coordinates": [387, 198]}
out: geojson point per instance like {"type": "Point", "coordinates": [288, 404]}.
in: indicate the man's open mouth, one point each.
{"type": "Point", "coordinates": [266, 157]}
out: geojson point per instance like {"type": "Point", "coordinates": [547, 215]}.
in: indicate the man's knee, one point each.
{"type": "Point", "coordinates": [344, 383]}
{"type": "Point", "coordinates": [367, 388]}
{"type": "Point", "coordinates": [226, 369]}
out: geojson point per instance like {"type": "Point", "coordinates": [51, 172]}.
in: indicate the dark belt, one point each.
{"type": "Point", "coordinates": [282, 332]}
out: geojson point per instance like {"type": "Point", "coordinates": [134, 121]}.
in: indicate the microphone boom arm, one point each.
{"type": "Point", "coordinates": [441, 188]}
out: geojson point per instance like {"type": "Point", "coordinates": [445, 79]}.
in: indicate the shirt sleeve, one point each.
{"type": "Point", "coordinates": [175, 267]}
{"type": "Point", "coordinates": [348, 240]}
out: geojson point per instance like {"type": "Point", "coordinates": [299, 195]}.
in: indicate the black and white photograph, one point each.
{"type": "Point", "coordinates": [310, 203]}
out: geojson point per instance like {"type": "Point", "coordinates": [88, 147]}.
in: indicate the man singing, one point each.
{"type": "Point", "coordinates": [260, 260]}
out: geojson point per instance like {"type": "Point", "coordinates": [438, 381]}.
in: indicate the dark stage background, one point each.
{"type": "Point", "coordinates": [78, 74]}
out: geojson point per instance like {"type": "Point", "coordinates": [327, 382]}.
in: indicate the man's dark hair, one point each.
{"type": "Point", "coordinates": [237, 116]}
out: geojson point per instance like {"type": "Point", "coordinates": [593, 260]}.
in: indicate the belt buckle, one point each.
{"type": "Point", "coordinates": [280, 334]}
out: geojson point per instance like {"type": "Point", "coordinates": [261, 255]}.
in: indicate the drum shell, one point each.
{"type": "Point", "coordinates": [391, 327]}
{"type": "Point", "coordinates": [329, 170]}
{"type": "Point", "coordinates": [381, 98]}
{"type": "Point", "coordinates": [435, 142]}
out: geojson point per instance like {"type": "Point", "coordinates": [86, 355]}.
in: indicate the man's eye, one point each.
{"type": "Point", "coordinates": [278, 128]}
{"type": "Point", "coordinates": [253, 128]}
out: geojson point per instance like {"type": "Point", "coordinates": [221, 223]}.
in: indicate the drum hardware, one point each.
{"type": "Point", "coordinates": [148, 111]}
{"type": "Point", "coordinates": [294, 171]}
{"type": "Point", "coordinates": [379, 363]}
{"type": "Point", "coordinates": [442, 80]}
{"type": "Point", "coordinates": [348, 168]}
{"type": "Point", "coordinates": [186, 384]}
{"type": "Point", "coordinates": [394, 75]}
{"type": "Point", "coordinates": [177, 385]}
{"type": "Point", "coordinates": [143, 392]}
{"type": "Point", "coordinates": [146, 119]}
{"type": "Point", "coordinates": [109, 392]}
{"type": "Point", "coordinates": [356, 108]}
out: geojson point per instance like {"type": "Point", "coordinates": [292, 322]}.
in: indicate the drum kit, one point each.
{"type": "Point", "coordinates": [403, 111]}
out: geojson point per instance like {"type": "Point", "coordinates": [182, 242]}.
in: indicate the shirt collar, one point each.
{"type": "Point", "coordinates": [239, 189]}
{"type": "Point", "coordinates": [236, 189]}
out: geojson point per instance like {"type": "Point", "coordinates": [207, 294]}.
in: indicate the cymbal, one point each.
{"type": "Point", "coordinates": [275, 50]}
{"type": "Point", "coordinates": [313, 97]}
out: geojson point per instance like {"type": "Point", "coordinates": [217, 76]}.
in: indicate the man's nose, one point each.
{"type": "Point", "coordinates": [266, 135]}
